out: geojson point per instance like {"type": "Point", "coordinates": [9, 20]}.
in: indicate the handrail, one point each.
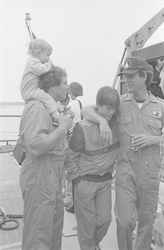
{"type": "Point", "coordinates": [10, 115]}
{"type": "Point", "coordinates": [8, 140]}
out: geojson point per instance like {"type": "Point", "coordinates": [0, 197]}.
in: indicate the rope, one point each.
{"type": "Point", "coordinates": [18, 216]}
{"type": "Point", "coordinates": [7, 228]}
{"type": "Point", "coordinates": [10, 218]}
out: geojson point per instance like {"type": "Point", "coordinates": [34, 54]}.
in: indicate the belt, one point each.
{"type": "Point", "coordinates": [97, 178]}
{"type": "Point", "coordinates": [93, 178]}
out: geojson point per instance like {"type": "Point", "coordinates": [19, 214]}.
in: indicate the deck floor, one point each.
{"type": "Point", "coordinates": [11, 200]}
{"type": "Point", "coordinates": [10, 197]}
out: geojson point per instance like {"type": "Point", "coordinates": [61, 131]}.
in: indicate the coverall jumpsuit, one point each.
{"type": "Point", "coordinates": [137, 175]}
{"type": "Point", "coordinates": [41, 182]}
{"type": "Point", "coordinates": [90, 164]}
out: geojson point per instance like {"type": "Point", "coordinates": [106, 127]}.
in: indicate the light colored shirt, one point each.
{"type": "Point", "coordinates": [75, 107]}
{"type": "Point", "coordinates": [30, 83]}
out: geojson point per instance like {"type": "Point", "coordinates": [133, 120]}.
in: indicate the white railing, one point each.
{"type": "Point", "coordinates": [9, 140]}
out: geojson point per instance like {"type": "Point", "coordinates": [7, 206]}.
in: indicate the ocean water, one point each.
{"type": "Point", "coordinates": [9, 126]}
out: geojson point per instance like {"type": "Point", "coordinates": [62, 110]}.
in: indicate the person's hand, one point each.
{"type": "Point", "coordinates": [51, 63]}
{"type": "Point", "coordinates": [68, 107]}
{"type": "Point", "coordinates": [65, 121]}
{"type": "Point", "coordinates": [69, 112]}
{"type": "Point", "coordinates": [161, 173]}
{"type": "Point", "coordinates": [142, 141]}
{"type": "Point", "coordinates": [2, 211]}
{"type": "Point", "coordinates": [105, 132]}
{"type": "Point", "coordinates": [158, 238]}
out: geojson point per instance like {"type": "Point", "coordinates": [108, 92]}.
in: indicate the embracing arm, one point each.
{"type": "Point", "coordinates": [90, 113]}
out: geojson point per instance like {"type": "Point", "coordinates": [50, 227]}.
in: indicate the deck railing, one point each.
{"type": "Point", "coordinates": [9, 140]}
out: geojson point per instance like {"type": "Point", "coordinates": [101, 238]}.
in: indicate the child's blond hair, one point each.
{"type": "Point", "coordinates": [39, 44]}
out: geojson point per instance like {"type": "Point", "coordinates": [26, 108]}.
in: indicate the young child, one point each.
{"type": "Point", "coordinates": [38, 64]}
{"type": "Point", "coordinates": [89, 166]}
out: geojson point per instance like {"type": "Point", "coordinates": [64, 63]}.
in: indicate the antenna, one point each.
{"type": "Point", "coordinates": [27, 20]}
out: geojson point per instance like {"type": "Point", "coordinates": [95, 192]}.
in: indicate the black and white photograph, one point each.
{"type": "Point", "coordinates": [82, 125]}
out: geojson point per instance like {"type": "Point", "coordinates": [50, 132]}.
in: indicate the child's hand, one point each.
{"type": "Point", "coordinates": [65, 121]}
{"type": "Point", "coordinates": [66, 109]}
{"type": "Point", "coordinates": [70, 112]}
{"type": "Point", "coordinates": [60, 109]}
{"type": "Point", "coordinates": [52, 65]}
{"type": "Point", "coordinates": [105, 132]}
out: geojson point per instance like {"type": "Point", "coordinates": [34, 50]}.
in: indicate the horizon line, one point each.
{"type": "Point", "coordinates": [12, 103]}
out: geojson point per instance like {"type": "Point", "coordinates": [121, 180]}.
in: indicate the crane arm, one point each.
{"type": "Point", "coordinates": [139, 38]}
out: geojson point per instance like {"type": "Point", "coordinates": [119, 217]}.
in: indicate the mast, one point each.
{"type": "Point", "coordinates": [27, 20]}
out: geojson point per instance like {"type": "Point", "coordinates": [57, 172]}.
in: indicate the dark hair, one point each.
{"type": "Point", "coordinates": [108, 96]}
{"type": "Point", "coordinates": [52, 78]}
{"type": "Point", "coordinates": [76, 89]}
{"type": "Point", "coordinates": [150, 75]}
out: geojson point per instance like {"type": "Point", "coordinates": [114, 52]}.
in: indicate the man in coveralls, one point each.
{"type": "Point", "coordinates": [139, 123]}
{"type": "Point", "coordinates": [41, 172]}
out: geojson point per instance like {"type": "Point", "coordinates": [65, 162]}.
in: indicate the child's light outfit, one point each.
{"type": "Point", "coordinates": [30, 85]}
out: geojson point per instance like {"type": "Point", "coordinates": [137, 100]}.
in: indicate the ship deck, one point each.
{"type": "Point", "coordinates": [11, 200]}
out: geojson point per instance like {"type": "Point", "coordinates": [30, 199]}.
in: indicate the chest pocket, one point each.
{"type": "Point", "coordinates": [124, 124]}
{"type": "Point", "coordinates": [155, 126]}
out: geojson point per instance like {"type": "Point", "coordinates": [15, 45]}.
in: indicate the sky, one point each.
{"type": "Point", "coordinates": [87, 37]}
